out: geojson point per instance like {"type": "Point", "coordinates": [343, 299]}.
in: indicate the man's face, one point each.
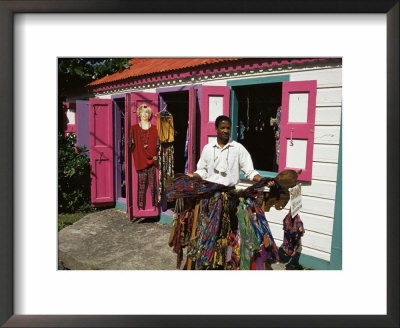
{"type": "Point", "coordinates": [224, 130]}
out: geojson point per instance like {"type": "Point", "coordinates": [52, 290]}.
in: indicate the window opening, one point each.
{"type": "Point", "coordinates": [257, 128]}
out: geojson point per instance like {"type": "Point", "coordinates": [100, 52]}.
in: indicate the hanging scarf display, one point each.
{"type": "Point", "coordinates": [231, 231]}
{"type": "Point", "coordinates": [165, 165]}
{"type": "Point", "coordinates": [248, 239]}
{"type": "Point", "coordinates": [277, 128]}
{"type": "Point", "coordinates": [203, 246]}
{"type": "Point", "coordinates": [186, 150]}
{"type": "Point", "coordinates": [180, 234]}
{"type": "Point", "coordinates": [293, 231]}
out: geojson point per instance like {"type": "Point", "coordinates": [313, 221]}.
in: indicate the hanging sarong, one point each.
{"type": "Point", "coordinates": [248, 240]}
{"type": "Point", "coordinates": [293, 231]}
{"type": "Point", "coordinates": [182, 228]}
{"type": "Point", "coordinates": [165, 166]}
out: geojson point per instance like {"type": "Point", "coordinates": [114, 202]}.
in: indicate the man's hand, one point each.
{"type": "Point", "coordinates": [192, 175]}
{"type": "Point", "coordinates": [257, 178]}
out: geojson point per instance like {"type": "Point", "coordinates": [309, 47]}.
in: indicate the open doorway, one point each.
{"type": "Point", "coordinates": [178, 106]}
{"type": "Point", "coordinates": [257, 108]}
{"type": "Point", "coordinates": [119, 146]}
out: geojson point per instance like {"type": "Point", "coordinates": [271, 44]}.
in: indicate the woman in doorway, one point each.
{"type": "Point", "coordinates": [144, 144]}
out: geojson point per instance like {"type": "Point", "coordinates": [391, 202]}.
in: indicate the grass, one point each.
{"type": "Point", "coordinates": [66, 219]}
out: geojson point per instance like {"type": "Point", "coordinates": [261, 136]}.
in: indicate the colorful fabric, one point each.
{"type": "Point", "coordinates": [232, 231]}
{"type": "Point", "coordinates": [203, 245]}
{"type": "Point", "coordinates": [221, 247]}
{"type": "Point", "coordinates": [186, 153]}
{"type": "Point", "coordinates": [142, 154]}
{"type": "Point", "coordinates": [146, 177]}
{"type": "Point", "coordinates": [165, 165]}
{"type": "Point", "coordinates": [183, 226]}
{"type": "Point", "coordinates": [293, 230]}
{"type": "Point", "coordinates": [277, 133]}
{"type": "Point", "coordinates": [233, 251]}
{"type": "Point", "coordinates": [249, 243]}
{"type": "Point", "coordinates": [165, 127]}
{"type": "Point", "coordinates": [185, 187]}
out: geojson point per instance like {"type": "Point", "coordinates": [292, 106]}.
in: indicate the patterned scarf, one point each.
{"type": "Point", "coordinates": [185, 187]}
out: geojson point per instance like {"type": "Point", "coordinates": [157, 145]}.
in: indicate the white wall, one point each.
{"type": "Point", "coordinates": [318, 197]}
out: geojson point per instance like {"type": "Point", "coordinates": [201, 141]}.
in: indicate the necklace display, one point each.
{"type": "Point", "coordinates": [145, 144]}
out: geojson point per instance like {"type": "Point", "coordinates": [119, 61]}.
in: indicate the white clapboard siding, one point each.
{"type": "Point", "coordinates": [308, 251]}
{"type": "Point", "coordinates": [329, 97]}
{"type": "Point", "coordinates": [324, 171]}
{"type": "Point", "coordinates": [310, 239]}
{"type": "Point", "coordinates": [311, 222]}
{"type": "Point", "coordinates": [318, 188]}
{"type": "Point", "coordinates": [328, 115]}
{"type": "Point", "coordinates": [326, 135]}
{"type": "Point", "coordinates": [318, 206]}
{"type": "Point", "coordinates": [326, 153]}
{"type": "Point", "coordinates": [324, 77]}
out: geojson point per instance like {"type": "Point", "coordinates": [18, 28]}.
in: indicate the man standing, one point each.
{"type": "Point", "coordinates": [222, 161]}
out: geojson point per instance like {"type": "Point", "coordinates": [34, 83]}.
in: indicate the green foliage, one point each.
{"type": "Point", "coordinates": [73, 176]}
{"type": "Point", "coordinates": [75, 73]}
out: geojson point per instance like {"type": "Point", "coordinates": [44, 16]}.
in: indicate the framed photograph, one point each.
{"type": "Point", "coordinates": [358, 286]}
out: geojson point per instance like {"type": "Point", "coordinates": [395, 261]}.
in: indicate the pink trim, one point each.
{"type": "Point", "coordinates": [128, 161]}
{"type": "Point", "coordinates": [101, 151]}
{"type": "Point", "coordinates": [151, 99]}
{"type": "Point", "coordinates": [234, 67]}
{"type": "Point", "coordinates": [304, 131]}
{"type": "Point", "coordinates": [208, 128]}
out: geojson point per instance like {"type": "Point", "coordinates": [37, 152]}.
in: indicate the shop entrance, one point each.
{"type": "Point", "coordinates": [177, 104]}
{"type": "Point", "coordinates": [257, 111]}
{"type": "Point", "coordinates": [119, 146]}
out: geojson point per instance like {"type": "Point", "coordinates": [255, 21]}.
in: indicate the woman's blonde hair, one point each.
{"type": "Point", "coordinates": [146, 108]}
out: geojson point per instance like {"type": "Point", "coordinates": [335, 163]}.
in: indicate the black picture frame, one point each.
{"type": "Point", "coordinates": [7, 11]}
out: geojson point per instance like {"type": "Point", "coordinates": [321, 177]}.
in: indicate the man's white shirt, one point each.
{"type": "Point", "coordinates": [223, 164]}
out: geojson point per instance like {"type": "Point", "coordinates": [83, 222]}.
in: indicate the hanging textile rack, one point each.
{"type": "Point", "coordinates": [210, 225]}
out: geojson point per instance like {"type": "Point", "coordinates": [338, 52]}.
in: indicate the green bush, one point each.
{"type": "Point", "coordinates": [73, 176]}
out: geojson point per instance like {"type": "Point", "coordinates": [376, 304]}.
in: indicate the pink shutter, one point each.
{"type": "Point", "coordinates": [297, 127]}
{"type": "Point", "coordinates": [70, 118]}
{"type": "Point", "coordinates": [137, 99]}
{"type": "Point", "coordinates": [101, 151]}
{"type": "Point", "coordinates": [214, 102]}
{"type": "Point", "coordinates": [192, 131]}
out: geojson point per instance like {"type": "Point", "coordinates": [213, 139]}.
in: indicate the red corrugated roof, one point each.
{"type": "Point", "coordinates": [144, 66]}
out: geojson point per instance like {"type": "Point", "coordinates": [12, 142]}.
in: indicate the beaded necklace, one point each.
{"type": "Point", "coordinates": [145, 144]}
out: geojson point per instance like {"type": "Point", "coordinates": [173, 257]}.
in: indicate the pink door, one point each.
{"type": "Point", "coordinates": [214, 102]}
{"type": "Point", "coordinates": [192, 130]}
{"type": "Point", "coordinates": [137, 99]}
{"type": "Point", "coordinates": [297, 127]}
{"type": "Point", "coordinates": [101, 152]}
